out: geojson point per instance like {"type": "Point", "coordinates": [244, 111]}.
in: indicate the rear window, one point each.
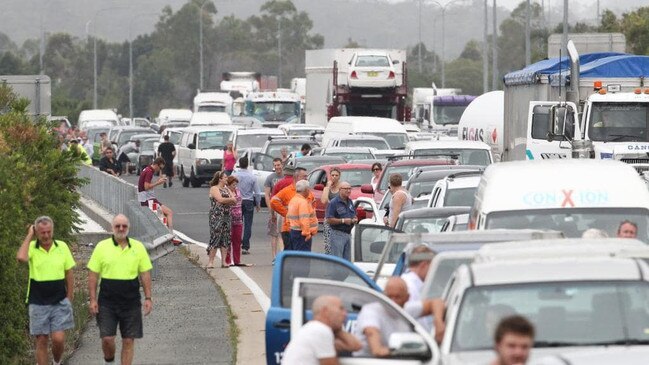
{"type": "Point", "coordinates": [372, 61]}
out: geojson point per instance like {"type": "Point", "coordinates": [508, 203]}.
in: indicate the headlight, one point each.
{"type": "Point", "coordinates": [202, 161]}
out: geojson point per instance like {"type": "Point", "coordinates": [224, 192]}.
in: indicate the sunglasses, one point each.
{"type": "Point", "coordinates": [376, 169]}
{"type": "Point", "coordinates": [123, 226]}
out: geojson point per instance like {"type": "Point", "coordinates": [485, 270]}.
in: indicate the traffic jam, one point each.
{"type": "Point", "coordinates": [519, 215]}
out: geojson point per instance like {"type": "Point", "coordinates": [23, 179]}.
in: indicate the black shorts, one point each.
{"type": "Point", "coordinates": [169, 168]}
{"type": "Point", "coordinates": [129, 320]}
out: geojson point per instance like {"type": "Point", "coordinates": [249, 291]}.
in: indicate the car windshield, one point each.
{"type": "Point", "coordinates": [465, 156]}
{"type": "Point", "coordinates": [356, 177]}
{"type": "Point", "coordinates": [442, 275]}
{"type": "Point", "coordinates": [211, 108]}
{"type": "Point", "coordinates": [309, 164]}
{"type": "Point", "coordinates": [396, 141]}
{"type": "Point", "coordinates": [619, 122]}
{"type": "Point", "coordinates": [125, 136]}
{"type": "Point", "coordinates": [563, 313]}
{"type": "Point", "coordinates": [348, 156]}
{"type": "Point", "coordinates": [274, 149]}
{"type": "Point", "coordinates": [372, 143]}
{"type": "Point", "coordinates": [372, 61]}
{"type": "Point", "coordinates": [448, 114]}
{"type": "Point", "coordinates": [423, 225]}
{"type": "Point", "coordinates": [174, 137]}
{"type": "Point", "coordinates": [273, 111]}
{"type": "Point", "coordinates": [251, 140]}
{"type": "Point", "coordinates": [421, 188]}
{"type": "Point", "coordinates": [147, 145]}
{"type": "Point", "coordinates": [211, 140]}
{"type": "Point", "coordinates": [463, 197]}
{"type": "Point", "coordinates": [404, 171]}
{"type": "Point", "coordinates": [573, 221]}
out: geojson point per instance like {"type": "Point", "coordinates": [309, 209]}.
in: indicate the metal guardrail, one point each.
{"type": "Point", "coordinates": [118, 196]}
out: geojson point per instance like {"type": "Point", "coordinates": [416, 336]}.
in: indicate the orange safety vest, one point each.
{"type": "Point", "coordinates": [301, 216]}
{"type": "Point", "coordinates": [279, 203]}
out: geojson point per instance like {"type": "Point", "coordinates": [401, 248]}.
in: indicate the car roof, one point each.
{"type": "Point", "coordinates": [460, 182]}
{"type": "Point", "coordinates": [359, 137]}
{"type": "Point", "coordinates": [144, 135]}
{"type": "Point", "coordinates": [347, 149]}
{"type": "Point", "coordinates": [269, 131]}
{"type": "Point", "coordinates": [290, 141]}
{"type": "Point", "coordinates": [214, 127]}
{"type": "Point", "coordinates": [441, 144]}
{"type": "Point", "coordinates": [433, 212]}
{"type": "Point", "coordinates": [420, 176]}
{"type": "Point", "coordinates": [347, 166]}
{"type": "Point", "coordinates": [418, 162]}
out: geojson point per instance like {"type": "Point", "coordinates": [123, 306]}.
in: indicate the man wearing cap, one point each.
{"type": "Point", "coordinates": [301, 218]}
{"type": "Point", "coordinates": [279, 202]}
{"type": "Point", "coordinates": [341, 217]}
{"type": "Point", "coordinates": [74, 146]}
{"type": "Point", "coordinates": [51, 288]}
{"type": "Point", "coordinates": [122, 263]}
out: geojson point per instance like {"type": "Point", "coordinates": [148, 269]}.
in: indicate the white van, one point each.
{"type": "Point", "coordinates": [210, 102]}
{"type": "Point", "coordinates": [390, 129]}
{"type": "Point", "coordinates": [570, 196]}
{"type": "Point", "coordinates": [210, 118]}
{"type": "Point", "coordinates": [98, 118]}
{"type": "Point", "coordinates": [483, 121]}
{"type": "Point", "coordinates": [173, 115]}
{"type": "Point", "coordinates": [200, 153]}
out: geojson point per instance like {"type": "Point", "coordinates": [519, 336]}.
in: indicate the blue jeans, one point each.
{"type": "Point", "coordinates": [248, 208]}
{"type": "Point", "coordinates": [340, 244]}
{"type": "Point", "coordinates": [298, 243]}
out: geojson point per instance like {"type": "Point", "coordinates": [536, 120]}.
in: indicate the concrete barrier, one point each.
{"type": "Point", "coordinates": [118, 196]}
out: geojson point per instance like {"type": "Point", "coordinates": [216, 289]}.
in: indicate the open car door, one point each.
{"type": "Point", "coordinates": [367, 248]}
{"type": "Point", "coordinates": [290, 265]}
{"type": "Point", "coordinates": [416, 347]}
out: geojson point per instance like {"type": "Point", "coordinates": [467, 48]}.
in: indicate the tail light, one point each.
{"type": "Point", "coordinates": [391, 75]}
{"type": "Point", "coordinates": [354, 75]}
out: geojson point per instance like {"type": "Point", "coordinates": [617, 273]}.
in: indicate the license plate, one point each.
{"type": "Point", "coordinates": [372, 74]}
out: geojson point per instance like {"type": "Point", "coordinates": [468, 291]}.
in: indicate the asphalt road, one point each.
{"type": "Point", "coordinates": [191, 208]}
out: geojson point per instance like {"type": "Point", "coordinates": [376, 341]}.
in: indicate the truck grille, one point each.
{"type": "Point", "coordinates": [215, 161]}
{"type": "Point", "coordinates": [635, 160]}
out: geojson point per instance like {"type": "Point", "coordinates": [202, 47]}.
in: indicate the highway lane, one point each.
{"type": "Point", "coordinates": [191, 208]}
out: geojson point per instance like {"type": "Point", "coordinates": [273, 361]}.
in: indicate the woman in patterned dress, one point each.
{"type": "Point", "coordinates": [221, 199]}
{"type": "Point", "coordinates": [330, 191]}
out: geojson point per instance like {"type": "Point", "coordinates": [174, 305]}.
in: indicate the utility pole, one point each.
{"type": "Point", "coordinates": [564, 38]}
{"type": "Point", "coordinates": [528, 51]}
{"type": "Point", "coordinates": [494, 49]}
{"type": "Point", "coordinates": [279, 51]}
{"type": "Point", "coordinates": [485, 49]}
{"type": "Point", "coordinates": [419, 44]}
{"type": "Point", "coordinates": [200, 47]}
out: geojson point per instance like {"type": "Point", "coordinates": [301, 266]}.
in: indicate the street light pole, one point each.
{"type": "Point", "coordinates": [419, 44]}
{"type": "Point", "coordinates": [279, 51]}
{"type": "Point", "coordinates": [485, 49]}
{"type": "Point", "coordinates": [528, 52]}
{"type": "Point", "coordinates": [200, 41]}
{"type": "Point", "coordinates": [94, 39]}
{"type": "Point", "coordinates": [443, 8]}
{"type": "Point", "coordinates": [494, 49]}
{"type": "Point", "coordinates": [130, 65]}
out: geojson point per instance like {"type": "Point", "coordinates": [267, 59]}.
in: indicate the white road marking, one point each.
{"type": "Point", "coordinates": [257, 292]}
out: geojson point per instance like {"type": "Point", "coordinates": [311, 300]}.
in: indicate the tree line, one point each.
{"type": "Point", "coordinates": [166, 61]}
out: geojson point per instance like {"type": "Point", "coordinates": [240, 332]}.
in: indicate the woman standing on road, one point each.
{"type": "Point", "coordinates": [221, 199]}
{"type": "Point", "coordinates": [237, 224]}
{"type": "Point", "coordinates": [229, 159]}
{"type": "Point", "coordinates": [330, 191]}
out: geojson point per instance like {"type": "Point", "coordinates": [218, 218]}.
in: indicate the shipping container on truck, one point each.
{"type": "Point", "coordinates": [328, 93]}
{"type": "Point", "coordinates": [36, 88]}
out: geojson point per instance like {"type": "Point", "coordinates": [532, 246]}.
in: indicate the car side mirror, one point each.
{"type": "Point", "coordinates": [408, 345]}
{"type": "Point", "coordinates": [377, 247]}
{"type": "Point", "coordinates": [394, 62]}
{"type": "Point", "coordinates": [319, 187]}
{"type": "Point", "coordinates": [367, 189]}
{"type": "Point", "coordinates": [191, 146]}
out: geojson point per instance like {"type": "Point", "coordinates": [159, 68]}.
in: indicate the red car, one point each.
{"type": "Point", "coordinates": [357, 175]}
{"type": "Point", "coordinates": [405, 168]}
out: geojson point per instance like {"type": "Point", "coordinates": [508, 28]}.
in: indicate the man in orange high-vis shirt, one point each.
{"type": "Point", "coordinates": [301, 218]}
{"type": "Point", "coordinates": [279, 203]}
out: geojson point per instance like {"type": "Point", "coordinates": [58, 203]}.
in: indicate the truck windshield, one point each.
{"type": "Point", "coordinates": [213, 140]}
{"type": "Point", "coordinates": [563, 313]}
{"type": "Point", "coordinates": [396, 141]}
{"type": "Point", "coordinates": [273, 111]}
{"type": "Point", "coordinates": [212, 108]}
{"type": "Point", "coordinates": [448, 114]}
{"type": "Point", "coordinates": [611, 122]}
{"type": "Point", "coordinates": [465, 156]}
{"type": "Point", "coordinates": [571, 221]}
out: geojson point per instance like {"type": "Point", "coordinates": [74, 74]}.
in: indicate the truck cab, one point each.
{"type": "Point", "coordinates": [273, 108]}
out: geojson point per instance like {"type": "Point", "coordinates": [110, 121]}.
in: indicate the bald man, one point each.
{"type": "Point", "coordinates": [318, 341]}
{"type": "Point", "coordinates": [375, 323]}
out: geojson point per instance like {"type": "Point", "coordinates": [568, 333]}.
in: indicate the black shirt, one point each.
{"type": "Point", "coordinates": [105, 164]}
{"type": "Point", "coordinates": [166, 150]}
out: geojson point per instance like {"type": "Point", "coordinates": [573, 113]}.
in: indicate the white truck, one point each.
{"type": "Point", "coordinates": [604, 115]}
{"type": "Point", "coordinates": [329, 94]}
{"type": "Point", "coordinates": [36, 88]}
{"type": "Point", "coordinates": [220, 102]}
{"type": "Point", "coordinates": [239, 84]}
{"type": "Point", "coordinates": [483, 121]}
{"type": "Point", "coordinates": [273, 108]}
{"type": "Point", "coordinates": [439, 110]}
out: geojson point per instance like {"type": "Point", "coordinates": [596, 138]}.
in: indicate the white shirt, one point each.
{"type": "Point", "coordinates": [415, 286]}
{"type": "Point", "coordinates": [386, 320]}
{"type": "Point", "coordinates": [314, 341]}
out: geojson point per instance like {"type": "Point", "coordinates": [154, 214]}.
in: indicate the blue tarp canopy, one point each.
{"type": "Point", "coordinates": [531, 73]}
{"type": "Point", "coordinates": [453, 100]}
{"type": "Point", "coordinates": [623, 66]}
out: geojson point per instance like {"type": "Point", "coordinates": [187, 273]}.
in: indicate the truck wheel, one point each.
{"type": "Point", "coordinates": [184, 179]}
{"type": "Point", "coordinates": [196, 183]}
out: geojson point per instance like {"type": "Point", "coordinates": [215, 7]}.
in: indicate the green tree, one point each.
{"type": "Point", "coordinates": [465, 74]}
{"type": "Point", "coordinates": [635, 26]}
{"type": "Point", "coordinates": [429, 61]}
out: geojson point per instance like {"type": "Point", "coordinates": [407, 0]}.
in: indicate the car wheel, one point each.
{"type": "Point", "coordinates": [184, 178]}
{"type": "Point", "coordinates": [196, 183]}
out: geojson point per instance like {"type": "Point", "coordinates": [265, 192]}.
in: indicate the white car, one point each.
{"type": "Point", "coordinates": [253, 138]}
{"type": "Point", "coordinates": [371, 70]}
{"type": "Point", "coordinates": [560, 287]}
{"type": "Point", "coordinates": [466, 152]}
{"type": "Point", "coordinates": [296, 130]}
{"type": "Point", "coordinates": [455, 190]}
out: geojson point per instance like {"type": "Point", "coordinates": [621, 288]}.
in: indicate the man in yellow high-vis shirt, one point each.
{"type": "Point", "coordinates": [51, 288]}
{"type": "Point", "coordinates": [121, 263]}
